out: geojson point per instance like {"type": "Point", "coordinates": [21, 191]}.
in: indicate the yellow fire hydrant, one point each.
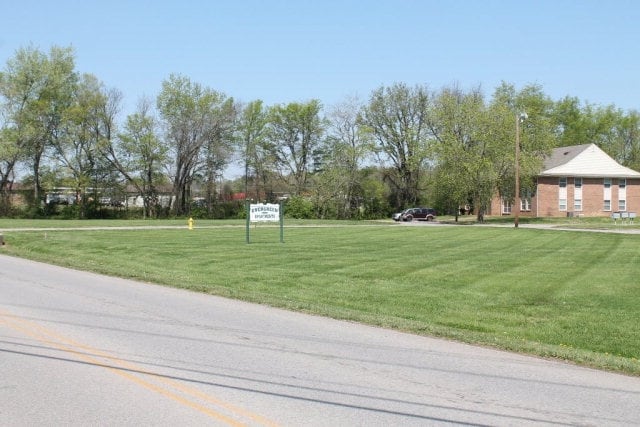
{"type": "Point", "coordinates": [190, 222]}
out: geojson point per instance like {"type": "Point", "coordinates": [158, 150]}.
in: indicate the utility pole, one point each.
{"type": "Point", "coordinates": [519, 119]}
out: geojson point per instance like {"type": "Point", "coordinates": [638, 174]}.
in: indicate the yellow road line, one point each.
{"type": "Point", "coordinates": [46, 335]}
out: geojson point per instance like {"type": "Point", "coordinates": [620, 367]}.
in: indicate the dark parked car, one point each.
{"type": "Point", "coordinates": [419, 214]}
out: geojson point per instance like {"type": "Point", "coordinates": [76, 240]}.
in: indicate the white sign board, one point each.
{"type": "Point", "coordinates": [264, 212]}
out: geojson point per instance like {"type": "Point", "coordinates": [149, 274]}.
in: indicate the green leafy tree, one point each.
{"type": "Point", "coordinates": [462, 162]}
{"type": "Point", "coordinates": [615, 131]}
{"type": "Point", "coordinates": [295, 132]}
{"type": "Point", "coordinates": [536, 140]}
{"type": "Point", "coordinates": [218, 146]}
{"type": "Point", "coordinates": [345, 150]}
{"type": "Point", "coordinates": [476, 143]}
{"type": "Point", "coordinates": [37, 90]}
{"type": "Point", "coordinates": [87, 125]}
{"type": "Point", "coordinates": [140, 155]}
{"type": "Point", "coordinates": [375, 194]}
{"type": "Point", "coordinates": [189, 112]}
{"type": "Point", "coordinates": [252, 137]}
{"type": "Point", "coordinates": [9, 157]}
{"type": "Point", "coordinates": [397, 118]}
{"type": "Point", "coordinates": [571, 126]}
{"type": "Point", "coordinates": [627, 133]}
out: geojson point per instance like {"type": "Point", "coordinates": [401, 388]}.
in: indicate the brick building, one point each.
{"type": "Point", "coordinates": [581, 180]}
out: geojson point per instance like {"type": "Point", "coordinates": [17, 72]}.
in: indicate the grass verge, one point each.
{"type": "Point", "coordinates": [562, 294]}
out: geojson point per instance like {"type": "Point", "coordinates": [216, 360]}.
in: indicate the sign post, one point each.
{"type": "Point", "coordinates": [247, 207]}
{"type": "Point", "coordinates": [266, 212]}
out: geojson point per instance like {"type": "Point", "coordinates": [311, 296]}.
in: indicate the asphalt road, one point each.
{"type": "Point", "coordinates": [83, 349]}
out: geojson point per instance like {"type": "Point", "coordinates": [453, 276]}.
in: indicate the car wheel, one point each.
{"type": "Point", "coordinates": [409, 218]}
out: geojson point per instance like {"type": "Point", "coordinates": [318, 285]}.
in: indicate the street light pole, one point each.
{"type": "Point", "coordinates": [519, 119]}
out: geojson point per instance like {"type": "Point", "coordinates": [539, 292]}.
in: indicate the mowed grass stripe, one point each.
{"type": "Point", "coordinates": [573, 295]}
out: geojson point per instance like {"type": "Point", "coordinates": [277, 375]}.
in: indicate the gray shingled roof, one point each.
{"type": "Point", "coordinates": [586, 160]}
{"type": "Point", "coordinates": [562, 155]}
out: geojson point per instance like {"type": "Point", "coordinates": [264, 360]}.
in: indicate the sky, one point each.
{"type": "Point", "coordinates": [294, 51]}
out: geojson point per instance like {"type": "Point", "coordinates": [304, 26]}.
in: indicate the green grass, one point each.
{"type": "Point", "coordinates": [564, 294]}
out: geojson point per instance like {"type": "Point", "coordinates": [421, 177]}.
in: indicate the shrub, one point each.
{"type": "Point", "coordinates": [299, 208]}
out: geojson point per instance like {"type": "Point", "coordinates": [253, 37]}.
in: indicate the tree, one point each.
{"type": "Point", "coordinates": [295, 131]}
{"type": "Point", "coordinates": [536, 140]}
{"type": "Point", "coordinates": [218, 145]}
{"type": "Point", "coordinates": [9, 157]}
{"type": "Point", "coordinates": [476, 143]}
{"type": "Point", "coordinates": [87, 125]}
{"type": "Point", "coordinates": [570, 124]}
{"type": "Point", "coordinates": [397, 118]}
{"type": "Point", "coordinates": [462, 163]}
{"type": "Point", "coordinates": [140, 155]}
{"type": "Point", "coordinates": [188, 111]}
{"type": "Point", "coordinates": [252, 127]}
{"type": "Point", "coordinates": [346, 149]}
{"type": "Point", "coordinates": [627, 132]}
{"type": "Point", "coordinates": [37, 90]}
{"type": "Point", "coordinates": [616, 132]}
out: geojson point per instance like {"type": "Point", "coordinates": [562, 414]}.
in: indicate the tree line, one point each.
{"type": "Point", "coordinates": [403, 146]}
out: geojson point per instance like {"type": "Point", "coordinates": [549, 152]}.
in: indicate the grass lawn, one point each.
{"type": "Point", "coordinates": [566, 294]}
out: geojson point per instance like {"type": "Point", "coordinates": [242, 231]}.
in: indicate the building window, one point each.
{"type": "Point", "coordinates": [577, 194]}
{"type": "Point", "coordinates": [562, 193]}
{"type": "Point", "coordinates": [622, 194]}
{"type": "Point", "coordinates": [606, 190]}
{"type": "Point", "coordinates": [577, 204]}
{"type": "Point", "coordinates": [506, 207]}
{"type": "Point", "coordinates": [622, 205]}
{"type": "Point", "coordinates": [525, 201]}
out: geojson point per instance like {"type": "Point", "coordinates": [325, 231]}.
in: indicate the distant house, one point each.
{"type": "Point", "coordinates": [581, 180]}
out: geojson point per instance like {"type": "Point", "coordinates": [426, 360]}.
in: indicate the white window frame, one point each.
{"type": "Point", "coordinates": [525, 201]}
{"type": "Point", "coordinates": [506, 207]}
{"type": "Point", "coordinates": [577, 194]}
{"type": "Point", "coordinates": [622, 205]}
{"type": "Point", "coordinates": [622, 194]}
{"type": "Point", "coordinates": [577, 205]}
{"type": "Point", "coordinates": [606, 192]}
{"type": "Point", "coordinates": [562, 193]}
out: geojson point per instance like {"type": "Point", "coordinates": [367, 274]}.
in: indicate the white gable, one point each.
{"type": "Point", "coordinates": [590, 162]}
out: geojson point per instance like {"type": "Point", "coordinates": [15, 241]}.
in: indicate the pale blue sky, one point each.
{"type": "Point", "coordinates": [284, 51]}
